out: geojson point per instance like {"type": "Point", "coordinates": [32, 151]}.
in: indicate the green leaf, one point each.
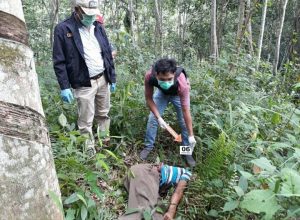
{"type": "Point", "coordinates": [91, 203]}
{"type": "Point", "coordinates": [112, 154]}
{"type": "Point", "coordinates": [56, 200]}
{"type": "Point", "coordinates": [72, 198]}
{"type": "Point", "coordinates": [213, 213]}
{"type": "Point", "coordinates": [147, 214]}
{"type": "Point", "coordinates": [230, 205]}
{"type": "Point", "coordinates": [96, 189]}
{"type": "Point", "coordinates": [246, 174]}
{"type": "Point", "coordinates": [131, 211]}
{"type": "Point", "coordinates": [82, 199]}
{"type": "Point", "coordinates": [297, 85]}
{"type": "Point", "coordinates": [104, 165]}
{"type": "Point", "coordinates": [100, 156]}
{"type": "Point", "coordinates": [62, 120]}
{"type": "Point", "coordinates": [157, 161]}
{"type": "Point", "coordinates": [276, 118]}
{"type": "Point", "coordinates": [83, 212]}
{"type": "Point", "coordinates": [292, 138]}
{"type": "Point", "coordinates": [70, 214]}
{"type": "Point", "coordinates": [281, 145]}
{"type": "Point", "coordinates": [264, 164]}
{"type": "Point", "coordinates": [159, 210]}
{"type": "Point", "coordinates": [258, 201]}
{"type": "Point", "coordinates": [291, 182]}
{"type": "Point", "coordinates": [243, 183]}
{"type": "Point", "coordinates": [297, 153]}
{"type": "Point", "coordinates": [239, 191]}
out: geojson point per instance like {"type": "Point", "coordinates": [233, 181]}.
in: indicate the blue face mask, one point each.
{"type": "Point", "coordinates": [88, 20]}
{"type": "Point", "coordinates": [165, 84]}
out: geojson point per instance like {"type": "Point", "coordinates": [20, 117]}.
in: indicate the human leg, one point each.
{"type": "Point", "coordinates": [102, 105]}
{"type": "Point", "coordinates": [161, 102]}
{"type": "Point", "coordinates": [85, 101]}
{"type": "Point", "coordinates": [175, 100]}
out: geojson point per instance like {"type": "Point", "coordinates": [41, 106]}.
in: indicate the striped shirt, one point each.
{"type": "Point", "coordinates": [172, 175]}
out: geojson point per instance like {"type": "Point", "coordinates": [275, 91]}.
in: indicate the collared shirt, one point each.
{"type": "Point", "coordinates": [92, 50]}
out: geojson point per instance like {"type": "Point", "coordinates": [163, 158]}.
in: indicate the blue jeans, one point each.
{"type": "Point", "coordinates": [161, 100]}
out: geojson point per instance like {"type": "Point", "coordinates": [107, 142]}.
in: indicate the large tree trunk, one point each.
{"type": "Point", "coordinates": [27, 174]}
{"type": "Point", "coordinates": [262, 31]}
{"type": "Point", "coordinates": [214, 42]}
{"type": "Point", "coordinates": [278, 40]}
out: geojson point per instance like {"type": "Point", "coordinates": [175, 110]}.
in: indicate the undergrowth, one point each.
{"type": "Point", "coordinates": [248, 150]}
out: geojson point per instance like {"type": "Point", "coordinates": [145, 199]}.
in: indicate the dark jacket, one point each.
{"type": "Point", "coordinates": [68, 56]}
{"type": "Point", "coordinates": [173, 90]}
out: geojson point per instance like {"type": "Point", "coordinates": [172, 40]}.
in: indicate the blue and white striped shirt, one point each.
{"type": "Point", "coordinates": [172, 175]}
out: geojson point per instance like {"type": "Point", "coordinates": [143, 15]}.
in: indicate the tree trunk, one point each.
{"type": "Point", "coordinates": [262, 31]}
{"type": "Point", "coordinates": [279, 32]}
{"type": "Point", "coordinates": [130, 8]}
{"type": "Point", "coordinates": [249, 28]}
{"type": "Point", "coordinates": [221, 21]}
{"type": "Point", "coordinates": [294, 53]}
{"type": "Point", "coordinates": [54, 19]}
{"type": "Point", "coordinates": [158, 27]}
{"type": "Point", "coordinates": [241, 23]}
{"type": "Point", "coordinates": [28, 179]}
{"type": "Point", "coordinates": [214, 42]}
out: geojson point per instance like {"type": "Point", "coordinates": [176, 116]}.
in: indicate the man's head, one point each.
{"type": "Point", "coordinates": [86, 11]}
{"type": "Point", "coordinates": [89, 7]}
{"type": "Point", "coordinates": [165, 69]}
{"type": "Point", "coordinates": [165, 72]}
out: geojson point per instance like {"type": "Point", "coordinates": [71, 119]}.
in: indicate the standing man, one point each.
{"type": "Point", "coordinates": [82, 59]}
{"type": "Point", "coordinates": [173, 86]}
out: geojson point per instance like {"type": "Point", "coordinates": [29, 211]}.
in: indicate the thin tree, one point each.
{"type": "Point", "coordinates": [249, 28]}
{"type": "Point", "coordinates": [241, 23]}
{"type": "Point", "coordinates": [221, 22]}
{"type": "Point", "coordinates": [28, 183]}
{"type": "Point", "coordinates": [158, 26]}
{"type": "Point", "coordinates": [279, 33]}
{"type": "Point", "coordinates": [262, 30]}
{"type": "Point", "coordinates": [214, 41]}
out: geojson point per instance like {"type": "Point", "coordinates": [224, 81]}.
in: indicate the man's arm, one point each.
{"type": "Point", "coordinates": [59, 59]}
{"type": "Point", "coordinates": [188, 119]}
{"type": "Point", "coordinates": [176, 197]}
{"type": "Point", "coordinates": [149, 97]}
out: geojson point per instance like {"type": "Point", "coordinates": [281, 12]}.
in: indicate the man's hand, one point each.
{"type": "Point", "coordinates": [169, 215]}
{"type": "Point", "coordinates": [66, 95]}
{"type": "Point", "coordinates": [162, 123]}
{"type": "Point", "coordinates": [113, 87]}
{"type": "Point", "coordinates": [192, 142]}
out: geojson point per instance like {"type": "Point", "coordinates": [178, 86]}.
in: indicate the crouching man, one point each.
{"type": "Point", "coordinates": [146, 182]}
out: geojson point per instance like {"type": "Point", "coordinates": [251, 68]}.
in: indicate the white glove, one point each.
{"type": "Point", "coordinates": [162, 123]}
{"type": "Point", "coordinates": [192, 142]}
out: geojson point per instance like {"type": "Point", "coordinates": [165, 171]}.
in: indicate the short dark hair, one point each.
{"type": "Point", "coordinates": [165, 65]}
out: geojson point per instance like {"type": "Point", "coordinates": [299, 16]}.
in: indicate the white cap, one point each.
{"type": "Point", "coordinates": [90, 7]}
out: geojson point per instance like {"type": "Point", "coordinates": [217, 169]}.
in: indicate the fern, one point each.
{"type": "Point", "coordinates": [221, 151]}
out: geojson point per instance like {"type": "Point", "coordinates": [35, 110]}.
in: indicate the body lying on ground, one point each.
{"type": "Point", "coordinates": [146, 183]}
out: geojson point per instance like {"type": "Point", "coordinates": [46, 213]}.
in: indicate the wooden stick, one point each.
{"type": "Point", "coordinates": [176, 136]}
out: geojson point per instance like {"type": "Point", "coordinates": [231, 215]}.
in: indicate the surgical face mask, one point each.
{"type": "Point", "coordinates": [88, 20]}
{"type": "Point", "coordinates": [165, 84]}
